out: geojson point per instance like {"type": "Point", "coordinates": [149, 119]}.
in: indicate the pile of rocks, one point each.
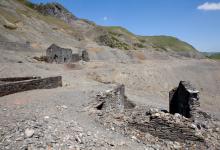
{"type": "Point", "coordinates": [152, 126]}
{"type": "Point", "coordinates": [49, 133]}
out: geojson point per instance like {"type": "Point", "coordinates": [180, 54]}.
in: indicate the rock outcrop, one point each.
{"type": "Point", "coordinates": [56, 10]}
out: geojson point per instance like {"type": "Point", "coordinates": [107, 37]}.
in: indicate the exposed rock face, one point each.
{"type": "Point", "coordinates": [57, 10]}
{"type": "Point", "coordinates": [184, 100]}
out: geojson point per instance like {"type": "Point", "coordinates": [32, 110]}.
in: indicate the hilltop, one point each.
{"type": "Point", "coordinates": [59, 19]}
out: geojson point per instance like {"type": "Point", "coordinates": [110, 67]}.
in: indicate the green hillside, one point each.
{"type": "Point", "coordinates": [112, 36]}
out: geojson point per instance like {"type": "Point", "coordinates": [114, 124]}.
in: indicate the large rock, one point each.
{"type": "Point", "coordinates": [56, 10]}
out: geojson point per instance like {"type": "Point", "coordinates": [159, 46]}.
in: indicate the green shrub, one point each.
{"type": "Point", "coordinates": [113, 42]}
{"type": "Point", "coordinates": [139, 45]}
{"type": "Point", "coordinates": [28, 3]}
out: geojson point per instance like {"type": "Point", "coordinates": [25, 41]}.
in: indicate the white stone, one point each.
{"type": "Point", "coordinates": [193, 126]}
{"type": "Point", "coordinates": [46, 117]}
{"type": "Point", "coordinates": [64, 106]}
{"type": "Point", "coordinates": [177, 115]}
{"type": "Point", "coordinates": [29, 132]}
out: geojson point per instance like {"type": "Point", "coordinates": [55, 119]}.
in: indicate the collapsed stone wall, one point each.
{"type": "Point", "coordinates": [184, 100]}
{"type": "Point", "coordinates": [14, 45]}
{"type": "Point", "coordinates": [167, 126]}
{"type": "Point", "coordinates": [58, 54]}
{"type": "Point", "coordinates": [7, 88]}
{"type": "Point", "coordinates": [146, 124]}
{"type": "Point", "coordinates": [14, 79]}
{"type": "Point", "coordinates": [117, 101]}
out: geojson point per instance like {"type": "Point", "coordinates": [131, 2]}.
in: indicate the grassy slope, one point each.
{"type": "Point", "coordinates": [213, 55]}
{"type": "Point", "coordinates": [120, 37]}
{"type": "Point", "coordinates": [167, 43]}
{"type": "Point", "coordinates": [157, 42]}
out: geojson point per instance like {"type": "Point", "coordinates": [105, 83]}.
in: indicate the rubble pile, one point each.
{"type": "Point", "coordinates": [49, 133]}
{"type": "Point", "coordinates": [155, 127]}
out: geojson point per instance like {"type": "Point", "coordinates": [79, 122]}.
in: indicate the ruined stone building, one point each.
{"type": "Point", "coordinates": [184, 100]}
{"type": "Point", "coordinates": [63, 55]}
{"type": "Point", "coordinates": [59, 55]}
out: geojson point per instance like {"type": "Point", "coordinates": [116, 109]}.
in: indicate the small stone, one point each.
{"type": "Point", "coordinates": [193, 126]}
{"type": "Point", "coordinates": [29, 132]}
{"type": "Point", "coordinates": [46, 117]}
{"type": "Point", "coordinates": [217, 130]}
{"type": "Point", "coordinates": [156, 115]}
{"type": "Point", "coordinates": [78, 140]}
{"type": "Point", "coordinates": [4, 109]}
{"type": "Point", "coordinates": [177, 115]}
{"type": "Point", "coordinates": [19, 139]}
{"type": "Point", "coordinates": [153, 110]}
{"type": "Point", "coordinates": [134, 138]}
{"type": "Point", "coordinates": [89, 133]}
{"type": "Point", "coordinates": [64, 106]}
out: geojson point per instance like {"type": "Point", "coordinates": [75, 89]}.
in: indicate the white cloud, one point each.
{"type": "Point", "coordinates": [105, 18]}
{"type": "Point", "coordinates": [209, 6]}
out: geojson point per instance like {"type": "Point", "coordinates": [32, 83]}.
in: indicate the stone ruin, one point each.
{"type": "Point", "coordinates": [184, 100]}
{"type": "Point", "coordinates": [20, 84]}
{"type": "Point", "coordinates": [63, 55]}
{"type": "Point", "coordinates": [146, 124]}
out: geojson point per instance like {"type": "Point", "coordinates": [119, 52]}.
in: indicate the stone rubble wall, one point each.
{"type": "Point", "coordinates": [14, 79]}
{"type": "Point", "coordinates": [61, 55]}
{"type": "Point", "coordinates": [39, 83]}
{"type": "Point", "coordinates": [14, 45]}
{"type": "Point", "coordinates": [146, 124]}
{"type": "Point", "coordinates": [113, 100]}
{"type": "Point", "coordinates": [168, 126]}
{"type": "Point", "coordinates": [184, 100]}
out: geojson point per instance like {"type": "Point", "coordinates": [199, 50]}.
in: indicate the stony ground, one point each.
{"type": "Point", "coordinates": [57, 118]}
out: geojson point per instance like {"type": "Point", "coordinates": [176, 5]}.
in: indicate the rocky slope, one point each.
{"type": "Point", "coordinates": [61, 118]}
{"type": "Point", "coordinates": [52, 20]}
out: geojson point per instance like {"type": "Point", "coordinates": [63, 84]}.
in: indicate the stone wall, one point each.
{"type": "Point", "coordinates": [112, 100]}
{"type": "Point", "coordinates": [59, 55]}
{"type": "Point", "coordinates": [63, 55]}
{"type": "Point", "coordinates": [14, 79]}
{"type": "Point", "coordinates": [167, 126]}
{"type": "Point", "coordinates": [76, 58]}
{"type": "Point", "coordinates": [85, 56]}
{"type": "Point", "coordinates": [184, 100]}
{"type": "Point", "coordinates": [14, 45]}
{"type": "Point", "coordinates": [25, 85]}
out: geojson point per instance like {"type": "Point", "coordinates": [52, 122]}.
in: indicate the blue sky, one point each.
{"type": "Point", "coordinates": [193, 21]}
